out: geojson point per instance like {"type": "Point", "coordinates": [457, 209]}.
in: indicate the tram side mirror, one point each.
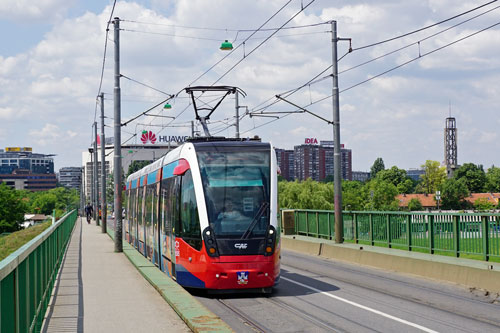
{"type": "Point", "coordinates": [181, 168]}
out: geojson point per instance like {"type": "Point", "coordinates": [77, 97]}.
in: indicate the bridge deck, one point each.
{"type": "Point", "coordinates": [98, 290]}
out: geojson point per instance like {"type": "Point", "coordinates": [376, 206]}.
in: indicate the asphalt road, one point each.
{"type": "Point", "coordinates": [322, 295]}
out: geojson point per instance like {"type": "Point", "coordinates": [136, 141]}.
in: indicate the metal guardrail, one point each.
{"type": "Point", "coordinates": [453, 233]}
{"type": "Point", "coordinates": [27, 277]}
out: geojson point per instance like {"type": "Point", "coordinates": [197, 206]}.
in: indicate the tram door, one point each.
{"type": "Point", "coordinates": [168, 213]}
{"type": "Point", "coordinates": [156, 236]}
{"type": "Point", "coordinates": [174, 244]}
{"type": "Point", "coordinates": [140, 220]}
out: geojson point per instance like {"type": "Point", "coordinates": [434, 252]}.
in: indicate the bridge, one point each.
{"type": "Point", "coordinates": [69, 279]}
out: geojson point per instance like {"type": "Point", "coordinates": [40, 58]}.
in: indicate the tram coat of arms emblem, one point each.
{"type": "Point", "coordinates": [242, 277]}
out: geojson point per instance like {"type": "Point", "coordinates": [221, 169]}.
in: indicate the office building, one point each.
{"type": "Point", "coordinates": [20, 168]}
{"type": "Point", "coordinates": [415, 174]}
{"type": "Point", "coordinates": [286, 162]}
{"type": "Point", "coordinates": [70, 177]}
{"type": "Point", "coordinates": [313, 160]}
{"type": "Point", "coordinates": [147, 151]}
{"type": "Point", "coordinates": [360, 176]}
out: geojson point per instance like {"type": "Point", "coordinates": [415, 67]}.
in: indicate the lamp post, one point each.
{"type": "Point", "coordinates": [96, 177]}
{"type": "Point", "coordinates": [117, 172]}
{"type": "Point", "coordinates": [92, 175]}
{"type": "Point", "coordinates": [103, 170]}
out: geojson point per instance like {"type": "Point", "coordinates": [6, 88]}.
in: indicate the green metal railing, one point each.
{"type": "Point", "coordinates": [448, 233]}
{"type": "Point", "coordinates": [27, 277]}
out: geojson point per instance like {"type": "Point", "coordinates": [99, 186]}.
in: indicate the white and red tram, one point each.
{"type": "Point", "coordinates": [206, 214]}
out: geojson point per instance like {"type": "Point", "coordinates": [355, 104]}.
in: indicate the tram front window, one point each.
{"type": "Point", "coordinates": [236, 186]}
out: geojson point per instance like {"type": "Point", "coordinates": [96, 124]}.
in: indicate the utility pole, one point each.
{"type": "Point", "coordinates": [96, 177]}
{"type": "Point", "coordinates": [192, 129]}
{"type": "Point", "coordinates": [103, 170]}
{"type": "Point", "coordinates": [92, 175]}
{"type": "Point", "coordinates": [337, 179]}
{"type": "Point", "coordinates": [237, 109]}
{"type": "Point", "coordinates": [117, 161]}
{"type": "Point", "coordinates": [82, 192]}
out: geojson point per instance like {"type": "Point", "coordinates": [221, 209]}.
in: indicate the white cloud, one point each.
{"type": "Point", "coordinates": [300, 131]}
{"type": "Point", "coordinates": [7, 113]}
{"type": "Point", "coordinates": [399, 116]}
{"type": "Point", "coordinates": [49, 134]}
{"type": "Point", "coordinates": [488, 137]}
{"type": "Point", "coordinates": [39, 10]}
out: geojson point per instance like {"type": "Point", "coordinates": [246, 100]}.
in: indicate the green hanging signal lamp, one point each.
{"type": "Point", "coordinates": [226, 45]}
{"type": "Point", "coordinates": [167, 106]}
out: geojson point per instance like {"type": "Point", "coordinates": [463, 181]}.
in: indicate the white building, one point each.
{"type": "Point", "coordinates": [130, 153]}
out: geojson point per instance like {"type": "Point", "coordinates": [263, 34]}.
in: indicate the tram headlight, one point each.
{"type": "Point", "coordinates": [270, 241]}
{"type": "Point", "coordinates": [210, 243]}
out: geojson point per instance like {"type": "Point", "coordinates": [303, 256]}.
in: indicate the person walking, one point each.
{"type": "Point", "coordinates": [89, 210]}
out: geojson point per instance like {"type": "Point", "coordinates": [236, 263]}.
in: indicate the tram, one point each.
{"type": "Point", "coordinates": [206, 214]}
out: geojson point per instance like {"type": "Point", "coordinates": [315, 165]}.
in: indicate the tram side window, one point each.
{"type": "Point", "coordinates": [148, 212]}
{"type": "Point", "coordinates": [169, 205]}
{"type": "Point", "coordinates": [139, 205]}
{"type": "Point", "coordinates": [164, 206]}
{"type": "Point", "coordinates": [130, 206]}
{"type": "Point", "coordinates": [155, 204]}
{"type": "Point", "coordinates": [190, 223]}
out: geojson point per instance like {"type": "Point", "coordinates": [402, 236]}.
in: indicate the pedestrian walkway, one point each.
{"type": "Point", "coordinates": [98, 290]}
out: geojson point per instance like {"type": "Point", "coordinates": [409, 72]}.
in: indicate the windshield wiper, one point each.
{"type": "Point", "coordinates": [252, 225]}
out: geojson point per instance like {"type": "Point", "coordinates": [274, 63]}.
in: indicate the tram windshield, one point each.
{"type": "Point", "coordinates": [236, 185]}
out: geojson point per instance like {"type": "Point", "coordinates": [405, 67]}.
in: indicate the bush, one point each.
{"type": "Point", "coordinates": [415, 204]}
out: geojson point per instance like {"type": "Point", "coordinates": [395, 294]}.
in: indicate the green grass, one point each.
{"type": "Point", "coordinates": [12, 242]}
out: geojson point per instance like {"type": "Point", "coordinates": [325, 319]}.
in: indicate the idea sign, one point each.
{"type": "Point", "coordinates": [311, 141]}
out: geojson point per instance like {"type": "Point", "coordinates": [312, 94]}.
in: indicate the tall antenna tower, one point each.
{"type": "Point", "coordinates": [450, 145]}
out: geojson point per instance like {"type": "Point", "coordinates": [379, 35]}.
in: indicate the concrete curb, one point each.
{"type": "Point", "coordinates": [466, 272]}
{"type": "Point", "coordinates": [193, 313]}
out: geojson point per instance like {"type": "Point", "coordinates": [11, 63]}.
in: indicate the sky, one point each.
{"type": "Point", "coordinates": [394, 96]}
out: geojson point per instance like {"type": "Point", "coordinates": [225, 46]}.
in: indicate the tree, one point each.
{"type": "Point", "coordinates": [328, 179]}
{"type": "Point", "coordinates": [406, 187]}
{"type": "Point", "coordinates": [45, 203]}
{"type": "Point", "coordinates": [393, 175]}
{"type": "Point", "coordinates": [415, 204]}
{"type": "Point", "coordinates": [453, 193]}
{"type": "Point", "coordinates": [12, 209]}
{"type": "Point", "coordinates": [493, 179]}
{"type": "Point", "coordinates": [382, 195]}
{"type": "Point", "coordinates": [110, 189]}
{"type": "Point", "coordinates": [482, 204]}
{"type": "Point", "coordinates": [377, 166]}
{"type": "Point", "coordinates": [308, 194]}
{"type": "Point", "coordinates": [136, 166]}
{"type": "Point", "coordinates": [474, 176]}
{"type": "Point", "coordinates": [433, 177]}
{"type": "Point", "coordinates": [398, 178]}
{"type": "Point", "coordinates": [66, 199]}
{"type": "Point", "coordinates": [354, 195]}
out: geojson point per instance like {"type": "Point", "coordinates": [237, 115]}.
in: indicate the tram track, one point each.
{"type": "Point", "coordinates": [309, 318]}
{"type": "Point", "coordinates": [259, 327]}
{"type": "Point", "coordinates": [387, 301]}
{"type": "Point", "coordinates": [447, 307]}
{"type": "Point", "coordinates": [256, 327]}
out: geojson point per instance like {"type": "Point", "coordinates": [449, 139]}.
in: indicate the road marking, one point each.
{"type": "Point", "coordinates": [425, 329]}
